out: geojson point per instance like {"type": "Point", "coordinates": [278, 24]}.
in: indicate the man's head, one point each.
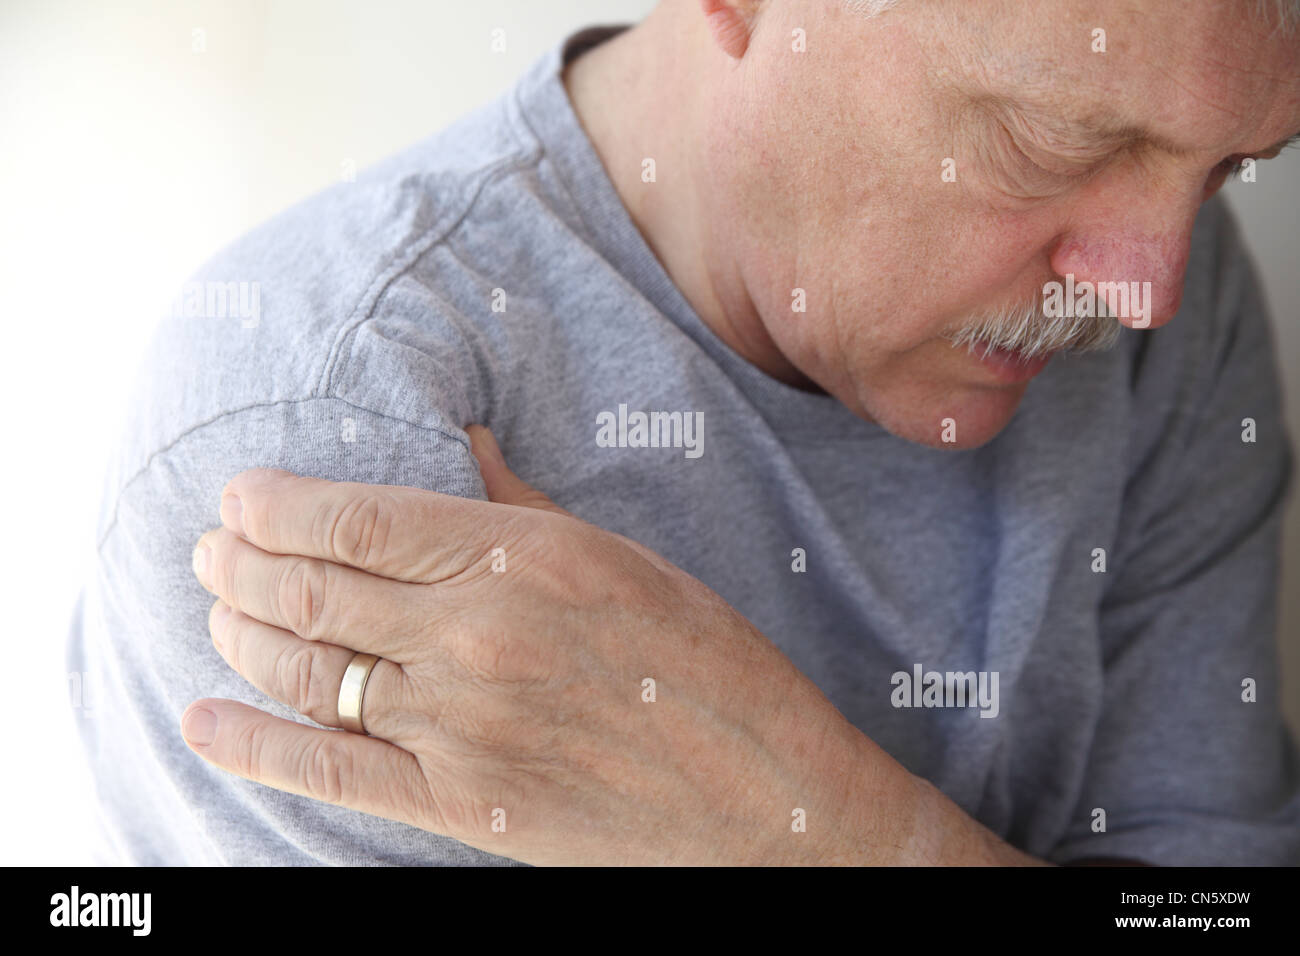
{"type": "Point", "coordinates": [921, 169]}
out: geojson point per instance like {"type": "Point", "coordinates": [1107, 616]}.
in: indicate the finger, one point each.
{"type": "Point", "coordinates": [304, 674]}
{"type": "Point", "coordinates": [503, 485]}
{"type": "Point", "coordinates": [351, 770]}
{"type": "Point", "coordinates": [407, 534]}
{"type": "Point", "coordinates": [317, 600]}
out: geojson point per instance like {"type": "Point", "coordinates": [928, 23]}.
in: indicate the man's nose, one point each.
{"type": "Point", "coordinates": [1140, 240]}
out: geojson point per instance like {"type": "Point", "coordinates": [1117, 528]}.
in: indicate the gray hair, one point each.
{"type": "Point", "coordinates": [1287, 11]}
{"type": "Point", "coordinates": [1027, 330]}
{"type": "Point", "coordinates": [1024, 328]}
{"type": "Point", "coordinates": [868, 8]}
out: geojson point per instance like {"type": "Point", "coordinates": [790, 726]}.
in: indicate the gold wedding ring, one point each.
{"type": "Point", "coordinates": [353, 690]}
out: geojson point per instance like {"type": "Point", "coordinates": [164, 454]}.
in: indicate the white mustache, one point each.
{"type": "Point", "coordinates": [1025, 329]}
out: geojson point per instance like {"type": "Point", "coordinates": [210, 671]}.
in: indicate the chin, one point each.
{"type": "Point", "coordinates": [977, 416]}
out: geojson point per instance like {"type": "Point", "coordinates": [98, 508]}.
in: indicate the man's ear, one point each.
{"type": "Point", "coordinates": [730, 22]}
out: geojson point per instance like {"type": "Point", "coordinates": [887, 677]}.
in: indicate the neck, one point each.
{"type": "Point", "coordinates": [647, 94]}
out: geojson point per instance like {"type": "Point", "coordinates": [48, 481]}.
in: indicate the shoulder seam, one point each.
{"type": "Point", "coordinates": [117, 496]}
{"type": "Point", "coordinates": [365, 307]}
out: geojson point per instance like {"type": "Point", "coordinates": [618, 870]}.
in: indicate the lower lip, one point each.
{"type": "Point", "coordinates": [1011, 367]}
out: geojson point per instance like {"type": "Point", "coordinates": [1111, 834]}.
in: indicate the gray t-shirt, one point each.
{"type": "Point", "coordinates": [490, 274]}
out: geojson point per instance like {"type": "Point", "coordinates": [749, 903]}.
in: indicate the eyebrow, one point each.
{"type": "Point", "coordinates": [1110, 134]}
{"type": "Point", "coordinates": [1103, 133]}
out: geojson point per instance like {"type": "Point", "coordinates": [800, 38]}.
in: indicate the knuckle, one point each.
{"type": "Point", "coordinates": [300, 591]}
{"type": "Point", "coordinates": [326, 770]}
{"type": "Point", "coordinates": [298, 672]}
{"type": "Point", "coordinates": [247, 750]}
{"type": "Point", "coordinates": [358, 533]}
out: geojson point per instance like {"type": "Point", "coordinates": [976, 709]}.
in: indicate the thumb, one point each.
{"type": "Point", "coordinates": [503, 485]}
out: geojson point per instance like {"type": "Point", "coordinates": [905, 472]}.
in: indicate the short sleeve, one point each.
{"type": "Point", "coordinates": [142, 641]}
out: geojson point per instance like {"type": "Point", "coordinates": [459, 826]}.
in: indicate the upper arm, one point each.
{"type": "Point", "coordinates": [146, 641]}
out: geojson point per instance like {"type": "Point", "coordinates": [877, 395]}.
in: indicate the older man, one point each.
{"type": "Point", "coordinates": [789, 293]}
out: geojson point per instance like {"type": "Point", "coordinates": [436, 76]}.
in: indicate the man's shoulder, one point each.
{"type": "Point", "coordinates": [272, 306]}
{"type": "Point", "coordinates": [271, 321]}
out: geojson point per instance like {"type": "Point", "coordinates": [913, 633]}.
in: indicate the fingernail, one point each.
{"type": "Point", "coordinates": [232, 513]}
{"type": "Point", "coordinates": [200, 727]}
{"type": "Point", "coordinates": [202, 558]}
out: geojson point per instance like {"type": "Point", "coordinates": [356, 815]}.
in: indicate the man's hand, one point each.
{"type": "Point", "coordinates": [547, 690]}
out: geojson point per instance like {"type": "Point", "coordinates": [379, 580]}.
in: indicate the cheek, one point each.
{"type": "Point", "coordinates": [887, 252]}
{"type": "Point", "coordinates": [981, 263]}
{"type": "Point", "coordinates": [912, 257]}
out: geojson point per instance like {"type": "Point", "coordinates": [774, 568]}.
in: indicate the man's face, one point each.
{"type": "Point", "coordinates": [1067, 160]}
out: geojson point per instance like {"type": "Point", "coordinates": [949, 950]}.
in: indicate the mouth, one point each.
{"type": "Point", "coordinates": [1007, 366]}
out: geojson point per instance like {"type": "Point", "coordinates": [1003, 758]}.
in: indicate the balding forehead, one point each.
{"type": "Point", "coordinates": [1194, 90]}
{"type": "Point", "coordinates": [1282, 14]}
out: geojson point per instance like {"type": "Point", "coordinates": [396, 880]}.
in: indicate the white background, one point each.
{"type": "Point", "coordinates": [127, 158]}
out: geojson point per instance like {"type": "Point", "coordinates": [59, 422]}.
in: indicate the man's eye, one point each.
{"type": "Point", "coordinates": [1030, 178]}
{"type": "Point", "coordinates": [1043, 172]}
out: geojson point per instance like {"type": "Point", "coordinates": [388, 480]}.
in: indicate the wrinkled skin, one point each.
{"type": "Point", "coordinates": [822, 171]}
